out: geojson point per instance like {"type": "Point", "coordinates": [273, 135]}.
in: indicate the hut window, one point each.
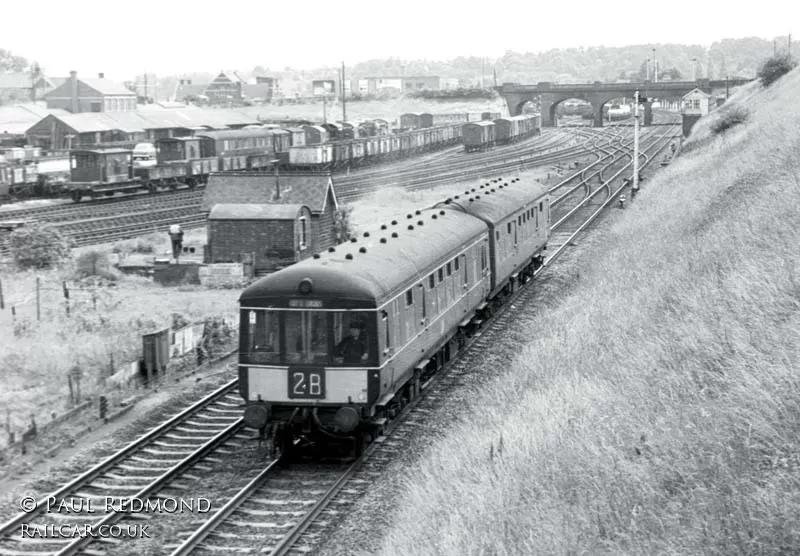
{"type": "Point", "coordinates": [303, 232]}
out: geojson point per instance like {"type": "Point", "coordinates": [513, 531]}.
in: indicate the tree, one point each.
{"type": "Point", "coordinates": [775, 67]}
{"type": "Point", "coordinates": [9, 62]}
{"type": "Point", "coordinates": [38, 246]}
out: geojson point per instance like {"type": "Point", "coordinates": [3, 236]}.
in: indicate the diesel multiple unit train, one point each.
{"type": "Point", "coordinates": [333, 347]}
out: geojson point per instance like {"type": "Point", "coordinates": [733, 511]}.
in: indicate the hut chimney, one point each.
{"type": "Point", "coordinates": [101, 75]}
{"type": "Point", "coordinates": [73, 81]}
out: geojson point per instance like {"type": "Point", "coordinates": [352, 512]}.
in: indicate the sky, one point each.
{"type": "Point", "coordinates": [173, 37]}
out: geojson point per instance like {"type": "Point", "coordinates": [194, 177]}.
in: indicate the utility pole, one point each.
{"type": "Point", "coordinates": [635, 186]}
{"type": "Point", "coordinates": [145, 86]}
{"type": "Point", "coordinates": [655, 67]}
{"type": "Point", "coordinates": [324, 108]}
{"type": "Point", "coordinates": [694, 69]}
{"type": "Point", "coordinates": [344, 105]}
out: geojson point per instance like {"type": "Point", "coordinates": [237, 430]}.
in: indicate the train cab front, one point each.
{"type": "Point", "coordinates": [308, 371]}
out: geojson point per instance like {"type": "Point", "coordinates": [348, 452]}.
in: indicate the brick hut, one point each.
{"type": "Point", "coordinates": [270, 217]}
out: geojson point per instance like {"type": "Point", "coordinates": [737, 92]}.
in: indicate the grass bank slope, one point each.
{"type": "Point", "coordinates": [656, 409]}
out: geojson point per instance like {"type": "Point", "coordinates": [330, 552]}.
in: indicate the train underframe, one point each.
{"type": "Point", "coordinates": [297, 433]}
{"type": "Point", "coordinates": [78, 191]}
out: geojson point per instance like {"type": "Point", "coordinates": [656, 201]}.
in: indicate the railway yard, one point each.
{"type": "Point", "coordinates": [256, 504]}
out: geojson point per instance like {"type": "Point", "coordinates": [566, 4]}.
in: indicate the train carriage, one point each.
{"type": "Point", "coordinates": [343, 333]}
{"type": "Point", "coordinates": [234, 142]}
{"type": "Point", "coordinates": [410, 121]}
{"type": "Point", "coordinates": [311, 156]}
{"type": "Point", "coordinates": [478, 135]}
{"type": "Point", "coordinates": [297, 136]}
{"type": "Point", "coordinates": [279, 140]}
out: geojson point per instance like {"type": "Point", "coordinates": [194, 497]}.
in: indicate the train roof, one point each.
{"type": "Point", "coordinates": [481, 123]}
{"type": "Point", "coordinates": [101, 151]}
{"type": "Point", "coordinates": [370, 277]}
{"type": "Point", "coordinates": [233, 133]}
{"type": "Point", "coordinates": [495, 202]}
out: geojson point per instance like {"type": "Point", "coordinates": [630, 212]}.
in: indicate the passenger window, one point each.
{"type": "Point", "coordinates": [449, 269]}
{"type": "Point", "coordinates": [409, 298]}
{"type": "Point", "coordinates": [497, 236]}
{"type": "Point", "coordinates": [483, 253]}
{"type": "Point", "coordinates": [466, 270]}
{"type": "Point", "coordinates": [441, 275]}
{"type": "Point", "coordinates": [386, 326]}
{"type": "Point", "coordinates": [455, 262]}
{"type": "Point", "coordinates": [541, 206]}
{"type": "Point", "coordinates": [306, 337]}
{"type": "Point", "coordinates": [431, 281]}
{"type": "Point", "coordinates": [519, 221]}
{"type": "Point", "coordinates": [509, 227]}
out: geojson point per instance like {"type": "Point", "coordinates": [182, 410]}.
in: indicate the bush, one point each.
{"type": "Point", "coordinates": [342, 226]}
{"type": "Point", "coordinates": [38, 246]}
{"type": "Point", "coordinates": [729, 118]}
{"type": "Point", "coordinates": [775, 67]}
{"type": "Point", "coordinates": [94, 263]}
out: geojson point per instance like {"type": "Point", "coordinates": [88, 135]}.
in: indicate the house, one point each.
{"type": "Point", "coordinates": [91, 95]}
{"type": "Point", "coordinates": [22, 87]}
{"type": "Point", "coordinates": [252, 190]}
{"type": "Point", "coordinates": [227, 88]}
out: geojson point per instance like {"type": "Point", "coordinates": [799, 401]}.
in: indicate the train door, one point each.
{"type": "Point", "coordinates": [422, 312]}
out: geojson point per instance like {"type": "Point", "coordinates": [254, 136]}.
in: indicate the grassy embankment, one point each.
{"type": "Point", "coordinates": [656, 409]}
{"type": "Point", "coordinates": [104, 325]}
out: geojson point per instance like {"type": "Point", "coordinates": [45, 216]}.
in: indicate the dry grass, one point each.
{"type": "Point", "coordinates": [656, 409]}
{"type": "Point", "coordinates": [102, 329]}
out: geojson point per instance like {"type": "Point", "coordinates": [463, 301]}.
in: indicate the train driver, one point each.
{"type": "Point", "coordinates": [353, 348]}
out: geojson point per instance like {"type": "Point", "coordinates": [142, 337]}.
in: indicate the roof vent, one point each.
{"type": "Point", "coordinates": [420, 223]}
{"type": "Point", "coordinates": [409, 216]}
{"type": "Point", "coordinates": [394, 222]}
{"type": "Point", "coordinates": [331, 249]}
{"type": "Point", "coordinates": [383, 240]}
{"type": "Point", "coordinates": [434, 216]}
{"type": "Point", "coordinates": [362, 250]}
{"type": "Point", "coordinates": [471, 200]}
{"type": "Point", "coordinates": [456, 197]}
{"type": "Point", "coordinates": [316, 255]}
{"type": "Point", "coordinates": [477, 197]}
{"type": "Point", "coordinates": [349, 256]}
{"type": "Point", "coordinates": [473, 190]}
{"type": "Point", "coordinates": [493, 190]}
{"type": "Point", "coordinates": [447, 202]}
{"type": "Point", "coordinates": [366, 234]}
{"type": "Point", "coordinates": [394, 234]}
{"type": "Point", "coordinates": [353, 240]}
{"type": "Point", "coordinates": [418, 213]}
{"type": "Point", "coordinates": [441, 212]}
{"type": "Point", "coordinates": [383, 226]}
{"type": "Point", "coordinates": [481, 187]}
{"type": "Point", "coordinates": [410, 226]}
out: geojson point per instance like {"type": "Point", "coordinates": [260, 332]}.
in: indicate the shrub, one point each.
{"type": "Point", "coordinates": [342, 226]}
{"type": "Point", "coordinates": [38, 246]}
{"type": "Point", "coordinates": [775, 67]}
{"type": "Point", "coordinates": [729, 118]}
{"type": "Point", "coordinates": [94, 263]}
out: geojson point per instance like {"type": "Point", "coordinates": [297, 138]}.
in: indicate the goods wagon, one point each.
{"type": "Point", "coordinates": [478, 136]}
{"type": "Point", "coordinates": [311, 156]}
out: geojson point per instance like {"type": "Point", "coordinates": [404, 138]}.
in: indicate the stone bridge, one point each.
{"type": "Point", "coordinates": [550, 95]}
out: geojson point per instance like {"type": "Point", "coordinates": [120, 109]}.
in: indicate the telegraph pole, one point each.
{"type": "Point", "coordinates": [344, 105]}
{"type": "Point", "coordinates": [635, 186]}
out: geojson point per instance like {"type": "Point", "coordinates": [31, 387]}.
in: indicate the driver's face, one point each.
{"type": "Point", "coordinates": [355, 332]}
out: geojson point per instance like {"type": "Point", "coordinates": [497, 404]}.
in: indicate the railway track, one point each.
{"type": "Point", "coordinates": [142, 470]}
{"type": "Point", "coordinates": [288, 510]}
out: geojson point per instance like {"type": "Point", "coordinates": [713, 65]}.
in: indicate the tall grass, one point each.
{"type": "Point", "coordinates": [656, 409]}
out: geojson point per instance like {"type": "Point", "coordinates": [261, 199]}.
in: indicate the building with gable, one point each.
{"type": "Point", "coordinates": [271, 220]}
{"type": "Point", "coordinates": [91, 95]}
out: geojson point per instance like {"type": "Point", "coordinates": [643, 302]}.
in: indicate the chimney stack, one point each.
{"type": "Point", "coordinates": [101, 75]}
{"type": "Point", "coordinates": [73, 80]}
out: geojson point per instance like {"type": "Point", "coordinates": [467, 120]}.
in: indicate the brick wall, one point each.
{"type": "Point", "coordinates": [272, 241]}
